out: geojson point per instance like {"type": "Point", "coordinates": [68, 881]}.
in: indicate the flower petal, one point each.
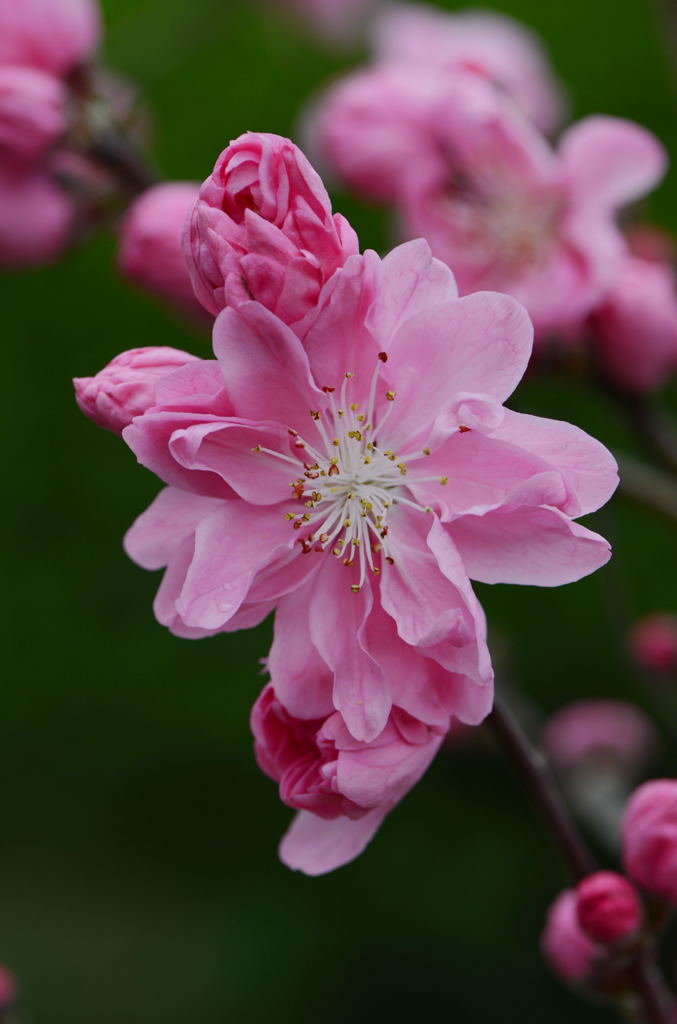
{"type": "Point", "coordinates": [316, 846]}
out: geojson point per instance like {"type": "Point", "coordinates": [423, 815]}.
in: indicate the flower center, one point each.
{"type": "Point", "coordinates": [350, 481]}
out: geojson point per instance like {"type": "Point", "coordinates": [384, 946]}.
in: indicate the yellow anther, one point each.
{"type": "Point", "coordinates": [336, 551]}
{"type": "Point", "coordinates": [402, 468]}
{"type": "Point", "coordinates": [256, 448]}
{"type": "Point", "coordinates": [376, 571]}
{"type": "Point", "coordinates": [444, 480]}
{"type": "Point", "coordinates": [355, 587]}
{"type": "Point", "coordinates": [355, 434]}
{"type": "Point", "coordinates": [289, 516]}
{"type": "Point", "coordinates": [390, 395]}
{"type": "Point", "coordinates": [335, 441]}
{"type": "Point", "coordinates": [367, 460]}
{"type": "Point", "coordinates": [426, 451]}
{"type": "Point", "coordinates": [349, 376]}
{"type": "Point", "coordinates": [353, 406]}
{"type": "Point", "coordinates": [347, 523]}
{"type": "Point", "coordinates": [360, 418]}
{"type": "Point", "coordinates": [315, 413]}
{"type": "Point", "coordinates": [356, 542]}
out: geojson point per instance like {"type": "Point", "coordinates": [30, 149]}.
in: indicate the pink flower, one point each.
{"type": "Point", "coordinates": [342, 787]}
{"type": "Point", "coordinates": [479, 182]}
{"type": "Point", "coordinates": [126, 387]}
{"type": "Point", "coordinates": [32, 112]}
{"type": "Point", "coordinates": [9, 988]}
{"type": "Point", "coordinates": [608, 907]}
{"type": "Point", "coordinates": [263, 229]}
{"type": "Point", "coordinates": [602, 730]}
{"type": "Point", "coordinates": [354, 479]}
{"type": "Point", "coordinates": [635, 327]}
{"type": "Point", "coordinates": [150, 252]}
{"type": "Point", "coordinates": [564, 944]}
{"type": "Point", "coordinates": [653, 642]}
{"type": "Point", "coordinates": [336, 21]}
{"type": "Point", "coordinates": [51, 35]}
{"type": "Point", "coordinates": [490, 44]}
{"type": "Point", "coordinates": [36, 216]}
{"type": "Point", "coordinates": [650, 837]}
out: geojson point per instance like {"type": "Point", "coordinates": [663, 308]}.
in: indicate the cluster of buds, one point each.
{"type": "Point", "coordinates": [594, 933]}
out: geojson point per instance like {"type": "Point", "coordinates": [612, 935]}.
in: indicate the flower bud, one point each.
{"type": "Point", "coordinates": [125, 388]}
{"type": "Point", "coordinates": [649, 834]}
{"type": "Point", "coordinates": [564, 944]}
{"type": "Point", "coordinates": [653, 642]}
{"type": "Point", "coordinates": [599, 730]}
{"type": "Point", "coordinates": [635, 327]}
{"type": "Point", "coordinates": [52, 35]}
{"type": "Point", "coordinates": [36, 217]}
{"type": "Point", "coordinates": [608, 907]}
{"type": "Point", "coordinates": [263, 229]}
{"type": "Point", "coordinates": [32, 111]}
{"type": "Point", "coordinates": [150, 252]}
{"type": "Point", "coordinates": [9, 988]}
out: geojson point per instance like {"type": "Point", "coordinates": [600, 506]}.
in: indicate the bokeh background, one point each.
{"type": "Point", "coordinates": [138, 872]}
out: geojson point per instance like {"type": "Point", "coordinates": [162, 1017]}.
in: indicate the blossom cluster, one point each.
{"type": "Point", "coordinates": [449, 125]}
{"type": "Point", "coordinates": [347, 461]}
{"type": "Point", "coordinates": [43, 47]}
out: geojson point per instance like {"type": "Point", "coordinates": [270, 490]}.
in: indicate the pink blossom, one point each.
{"type": "Point", "coordinates": [600, 729]}
{"type": "Point", "coordinates": [36, 215]}
{"type": "Point", "coordinates": [342, 787]}
{"type": "Point", "coordinates": [263, 229]}
{"type": "Point", "coordinates": [490, 44]}
{"type": "Point", "coordinates": [51, 35]}
{"type": "Point", "coordinates": [9, 988]}
{"type": "Point", "coordinates": [478, 181]}
{"type": "Point", "coordinates": [635, 328]}
{"type": "Point", "coordinates": [150, 252]}
{"type": "Point", "coordinates": [336, 21]}
{"type": "Point", "coordinates": [608, 907]}
{"type": "Point", "coordinates": [653, 642]}
{"type": "Point", "coordinates": [650, 837]}
{"type": "Point", "coordinates": [32, 112]}
{"type": "Point", "coordinates": [311, 474]}
{"type": "Point", "coordinates": [564, 944]}
{"type": "Point", "coordinates": [126, 387]}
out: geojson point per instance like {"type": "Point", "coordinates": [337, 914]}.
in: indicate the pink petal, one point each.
{"type": "Point", "coordinates": [610, 161]}
{"type": "Point", "coordinates": [303, 681]}
{"type": "Point", "coordinates": [536, 546]}
{"type": "Point", "coordinates": [168, 520]}
{"type": "Point", "coordinates": [316, 846]}
{"type": "Point", "coordinates": [480, 343]}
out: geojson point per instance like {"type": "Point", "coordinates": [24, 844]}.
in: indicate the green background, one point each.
{"type": "Point", "coordinates": [138, 873]}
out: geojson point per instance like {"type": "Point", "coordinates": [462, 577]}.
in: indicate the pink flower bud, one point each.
{"type": "Point", "coordinates": [150, 253]}
{"type": "Point", "coordinates": [263, 229]}
{"type": "Point", "coordinates": [653, 642]}
{"type": "Point", "coordinates": [32, 111]}
{"type": "Point", "coordinates": [605, 730]}
{"type": "Point", "coordinates": [608, 907]}
{"type": "Point", "coordinates": [52, 35]}
{"type": "Point", "coordinates": [9, 988]}
{"type": "Point", "coordinates": [635, 327]}
{"type": "Point", "coordinates": [36, 216]}
{"type": "Point", "coordinates": [564, 944]}
{"type": "Point", "coordinates": [125, 388]}
{"type": "Point", "coordinates": [649, 833]}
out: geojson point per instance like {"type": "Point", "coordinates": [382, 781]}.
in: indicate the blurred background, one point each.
{"type": "Point", "coordinates": [138, 873]}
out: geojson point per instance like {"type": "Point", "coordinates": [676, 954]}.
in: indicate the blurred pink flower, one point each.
{"type": "Point", "coordinates": [32, 112]}
{"type": "Point", "coordinates": [335, 21]}
{"type": "Point", "coordinates": [51, 35]}
{"type": "Point", "coordinates": [342, 787]}
{"type": "Point", "coordinates": [650, 837]}
{"type": "Point", "coordinates": [36, 215]}
{"type": "Point", "coordinates": [9, 988]}
{"type": "Point", "coordinates": [653, 642]}
{"type": "Point", "coordinates": [600, 729]}
{"type": "Point", "coordinates": [491, 44]}
{"type": "Point", "coordinates": [263, 229]}
{"type": "Point", "coordinates": [309, 474]}
{"type": "Point", "coordinates": [634, 329]}
{"type": "Point", "coordinates": [564, 944]}
{"type": "Point", "coordinates": [126, 387]}
{"type": "Point", "coordinates": [481, 184]}
{"type": "Point", "coordinates": [608, 907]}
{"type": "Point", "coordinates": [150, 250]}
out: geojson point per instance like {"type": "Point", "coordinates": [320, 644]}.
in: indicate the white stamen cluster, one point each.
{"type": "Point", "coordinates": [349, 482]}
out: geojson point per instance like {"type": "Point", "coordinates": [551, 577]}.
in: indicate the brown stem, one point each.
{"type": "Point", "coordinates": [658, 1005]}
{"type": "Point", "coordinates": [648, 487]}
{"type": "Point", "coordinates": [117, 154]}
{"type": "Point", "coordinates": [533, 767]}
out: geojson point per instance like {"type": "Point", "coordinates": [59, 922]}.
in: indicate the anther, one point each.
{"type": "Point", "coordinates": [463, 429]}
{"type": "Point", "coordinates": [390, 395]}
{"type": "Point", "coordinates": [333, 470]}
{"type": "Point", "coordinates": [389, 560]}
{"type": "Point", "coordinates": [355, 587]}
{"type": "Point", "coordinates": [444, 480]}
{"type": "Point", "coordinates": [383, 356]}
{"type": "Point", "coordinates": [328, 391]}
{"type": "Point", "coordinates": [426, 451]}
{"type": "Point", "coordinates": [348, 375]}
{"type": "Point", "coordinates": [315, 413]}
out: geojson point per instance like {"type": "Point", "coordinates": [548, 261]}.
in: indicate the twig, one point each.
{"type": "Point", "coordinates": [648, 487]}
